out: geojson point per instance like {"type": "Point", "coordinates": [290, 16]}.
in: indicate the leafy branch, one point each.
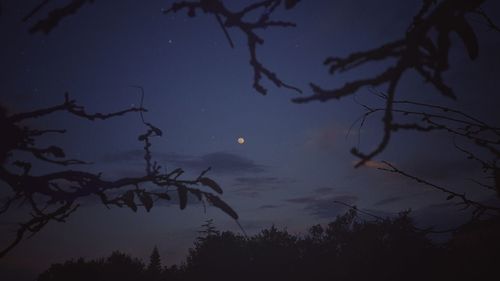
{"type": "Point", "coordinates": [55, 196]}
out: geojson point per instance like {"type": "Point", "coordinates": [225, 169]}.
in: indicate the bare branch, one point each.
{"type": "Point", "coordinates": [230, 19]}
{"type": "Point", "coordinates": [479, 208]}
{"type": "Point", "coordinates": [55, 16]}
{"type": "Point", "coordinates": [488, 20]}
{"type": "Point", "coordinates": [70, 106]}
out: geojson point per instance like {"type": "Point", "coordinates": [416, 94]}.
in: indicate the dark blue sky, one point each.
{"type": "Point", "coordinates": [295, 161]}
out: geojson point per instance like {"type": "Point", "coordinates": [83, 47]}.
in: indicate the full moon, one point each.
{"type": "Point", "coordinates": [241, 140]}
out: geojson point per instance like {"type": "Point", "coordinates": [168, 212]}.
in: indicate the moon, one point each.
{"type": "Point", "coordinates": [241, 140]}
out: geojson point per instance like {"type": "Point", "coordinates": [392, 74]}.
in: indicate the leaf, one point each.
{"type": "Point", "coordinates": [211, 183]}
{"type": "Point", "coordinates": [128, 199]}
{"type": "Point", "coordinates": [428, 45]}
{"type": "Point", "coordinates": [496, 175]}
{"type": "Point", "coordinates": [196, 192]}
{"type": "Point", "coordinates": [182, 192]}
{"type": "Point", "coordinates": [191, 12]}
{"type": "Point", "coordinates": [146, 200]}
{"type": "Point", "coordinates": [163, 196]}
{"type": "Point", "coordinates": [157, 131]}
{"type": "Point", "coordinates": [289, 4]}
{"type": "Point", "coordinates": [443, 46]}
{"type": "Point", "coordinates": [217, 202]}
{"type": "Point", "coordinates": [154, 129]}
{"type": "Point", "coordinates": [466, 33]}
{"type": "Point", "coordinates": [56, 151]}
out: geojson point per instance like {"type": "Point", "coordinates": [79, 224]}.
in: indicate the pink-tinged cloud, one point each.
{"type": "Point", "coordinates": [326, 137]}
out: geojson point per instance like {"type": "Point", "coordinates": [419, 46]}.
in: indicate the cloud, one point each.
{"type": "Point", "coordinates": [324, 190]}
{"type": "Point", "coordinates": [327, 137]}
{"type": "Point", "coordinates": [269, 207]}
{"type": "Point", "coordinates": [224, 162]}
{"type": "Point", "coordinates": [303, 200]}
{"type": "Point", "coordinates": [221, 162]}
{"type": "Point", "coordinates": [322, 207]}
{"type": "Point", "coordinates": [388, 201]}
{"type": "Point", "coordinates": [373, 164]}
{"type": "Point", "coordinates": [253, 186]}
{"type": "Point", "coordinates": [257, 181]}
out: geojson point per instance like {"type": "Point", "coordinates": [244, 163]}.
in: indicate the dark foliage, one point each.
{"type": "Point", "coordinates": [154, 268]}
{"type": "Point", "coordinates": [345, 249]}
{"type": "Point", "coordinates": [118, 266]}
{"type": "Point", "coordinates": [389, 249]}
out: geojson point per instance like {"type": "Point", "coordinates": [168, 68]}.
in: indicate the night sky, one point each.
{"type": "Point", "coordinates": [295, 161]}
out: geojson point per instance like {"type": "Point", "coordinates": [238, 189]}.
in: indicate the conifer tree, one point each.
{"type": "Point", "coordinates": [154, 267]}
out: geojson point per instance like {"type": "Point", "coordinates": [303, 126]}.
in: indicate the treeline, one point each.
{"type": "Point", "coordinates": [345, 249]}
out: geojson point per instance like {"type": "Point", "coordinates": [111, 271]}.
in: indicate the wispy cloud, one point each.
{"type": "Point", "coordinates": [324, 190]}
{"type": "Point", "coordinates": [269, 206]}
{"type": "Point", "coordinates": [257, 181]}
{"type": "Point", "coordinates": [327, 137]}
{"type": "Point", "coordinates": [221, 162]}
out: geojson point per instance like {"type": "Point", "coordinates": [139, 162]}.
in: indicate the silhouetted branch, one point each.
{"type": "Point", "coordinates": [426, 118]}
{"type": "Point", "coordinates": [55, 16]}
{"type": "Point", "coordinates": [35, 10]}
{"type": "Point", "coordinates": [482, 184]}
{"type": "Point", "coordinates": [70, 106]}
{"type": "Point", "coordinates": [488, 20]}
{"type": "Point", "coordinates": [381, 219]}
{"type": "Point", "coordinates": [479, 208]}
{"type": "Point", "coordinates": [353, 207]}
{"type": "Point", "coordinates": [230, 19]}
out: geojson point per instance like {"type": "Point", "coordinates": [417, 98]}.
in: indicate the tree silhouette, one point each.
{"type": "Point", "coordinates": [154, 269]}
{"type": "Point", "coordinates": [208, 230]}
{"type": "Point", "coordinates": [117, 266]}
{"type": "Point", "coordinates": [55, 196]}
{"type": "Point", "coordinates": [348, 248]}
